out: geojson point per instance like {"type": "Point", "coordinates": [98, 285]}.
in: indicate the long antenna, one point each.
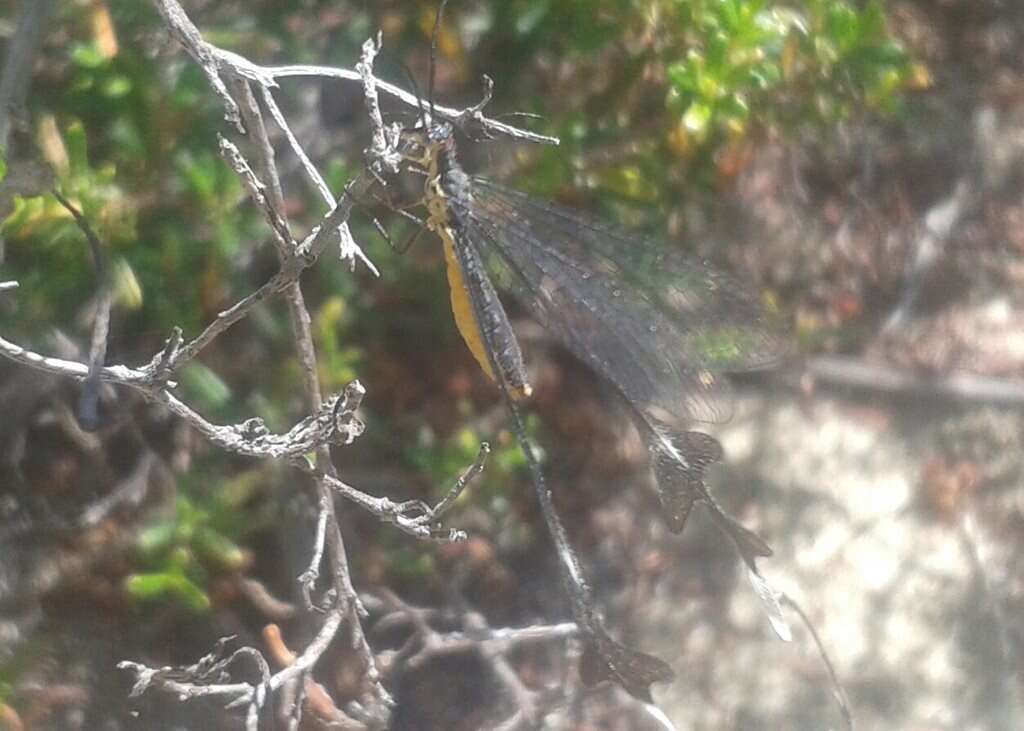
{"type": "Point", "coordinates": [419, 98]}
{"type": "Point", "coordinates": [433, 53]}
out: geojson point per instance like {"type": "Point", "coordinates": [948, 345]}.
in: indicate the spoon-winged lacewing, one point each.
{"type": "Point", "coordinates": [658, 325]}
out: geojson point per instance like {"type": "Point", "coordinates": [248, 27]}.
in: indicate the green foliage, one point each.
{"type": "Point", "coordinates": [205, 387]}
{"type": "Point", "coordinates": [656, 100]}
{"type": "Point", "coordinates": [444, 461]}
{"type": "Point", "coordinates": [648, 96]}
{"type": "Point", "coordinates": [338, 362]}
{"type": "Point", "coordinates": [40, 229]}
{"type": "Point", "coordinates": [25, 659]}
{"type": "Point", "coordinates": [180, 554]}
{"type": "Point", "coordinates": [409, 563]}
{"type": "Point", "coordinates": [593, 22]}
{"type": "Point", "coordinates": [754, 61]}
{"type": "Point", "coordinates": [139, 159]}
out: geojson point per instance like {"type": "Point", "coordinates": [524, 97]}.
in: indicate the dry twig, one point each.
{"type": "Point", "coordinates": [330, 422]}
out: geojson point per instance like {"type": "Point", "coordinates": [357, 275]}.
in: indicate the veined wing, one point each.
{"type": "Point", "coordinates": [730, 332]}
{"type": "Point", "coordinates": [657, 324]}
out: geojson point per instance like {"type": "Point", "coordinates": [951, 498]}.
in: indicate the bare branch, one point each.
{"type": "Point", "coordinates": [241, 73]}
{"type": "Point", "coordinates": [251, 438]}
{"type": "Point", "coordinates": [891, 379]}
{"type": "Point", "coordinates": [257, 191]}
{"type": "Point", "coordinates": [345, 599]}
{"type": "Point", "coordinates": [448, 113]}
{"type": "Point", "coordinates": [88, 405]}
{"type": "Point", "coordinates": [289, 273]}
{"type": "Point", "coordinates": [307, 580]}
{"type": "Point", "coordinates": [72, 369]}
{"type": "Point", "coordinates": [347, 246]}
{"type": "Point", "coordinates": [493, 645]}
{"type": "Point", "coordinates": [260, 597]}
{"type": "Point", "coordinates": [21, 54]}
{"type": "Point", "coordinates": [307, 690]}
{"type": "Point", "coordinates": [382, 148]}
{"type": "Point", "coordinates": [468, 476]}
{"type": "Point", "coordinates": [182, 28]}
{"type": "Point", "coordinates": [330, 422]}
{"type": "Point", "coordinates": [333, 423]}
{"type": "Point", "coordinates": [202, 678]}
{"type": "Point", "coordinates": [412, 516]}
{"type": "Point", "coordinates": [213, 60]}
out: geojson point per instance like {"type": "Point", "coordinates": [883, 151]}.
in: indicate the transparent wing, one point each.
{"type": "Point", "coordinates": [727, 330]}
{"type": "Point", "coordinates": [656, 324]}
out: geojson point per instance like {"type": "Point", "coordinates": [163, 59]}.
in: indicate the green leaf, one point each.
{"type": "Point", "coordinates": [207, 386]}
{"type": "Point", "coordinates": [872, 21]}
{"type": "Point", "coordinates": [683, 75]}
{"type": "Point", "coordinates": [77, 149]}
{"type": "Point", "coordinates": [181, 557]}
{"type": "Point", "coordinates": [116, 87]}
{"type": "Point", "coordinates": [843, 26]}
{"type": "Point", "coordinates": [87, 56]}
{"type": "Point", "coordinates": [219, 549]}
{"type": "Point", "coordinates": [735, 110]}
{"type": "Point", "coordinates": [696, 119]}
{"type": "Point", "coordinates": [156, 537]}
{"type": "Point", "coordinates": [532, 17]}
{"type": "Point", "coordinates": [172, 586]}
{"type": "Point", "coordinates": [127, 289]}
{"type": "Point", "coordinates": [148, 586]}
{"type": "Point", "coordinates": [630, 182]}
{"type": "Point", "coordinates": [878, 58]}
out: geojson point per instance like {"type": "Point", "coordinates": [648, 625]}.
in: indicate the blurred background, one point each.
{"type": "Point", "coordinates": [858, 164]}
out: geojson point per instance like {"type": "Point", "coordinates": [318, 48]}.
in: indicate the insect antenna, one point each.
{"type": "Point", "coordinates": [396, 64]}
{"type": "Point", "coordinates": [520, 115]}
{"type": "Point", "coordinates": [416, 91]}
{"type": "Point", "coordinates": [431, 65]}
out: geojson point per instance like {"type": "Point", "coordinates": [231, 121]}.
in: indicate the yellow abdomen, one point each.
{"type": "Point", "coordinates": [462, 309]}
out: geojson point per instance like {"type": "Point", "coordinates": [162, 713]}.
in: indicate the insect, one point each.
{"type": "Point", "coordinates": [658, 325]}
